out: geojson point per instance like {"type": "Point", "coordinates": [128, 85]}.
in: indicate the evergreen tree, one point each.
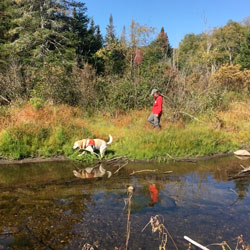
{"type": "Point", "coordinates": [244, 55]}
{"type": "Point", "coordinates": [41, 32]}
{"type": "Point", "coordinates": [110, 32]}
{"type": "Point", "coordinates": [123, 36]}
{"type": "Point", "coordinates": [163, 42]}
{"type": "Point", "coordinates": [5, 24]}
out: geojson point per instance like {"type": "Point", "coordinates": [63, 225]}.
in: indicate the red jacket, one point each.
{"type": "Point", "coordinates": [157, 106]}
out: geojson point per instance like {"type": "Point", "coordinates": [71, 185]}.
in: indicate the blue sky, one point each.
{"type": "Point", "coordinates": [178, 17]}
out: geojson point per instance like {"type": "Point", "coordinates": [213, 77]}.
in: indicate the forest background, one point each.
{"type": "Point", "coordinates": [60, 80]}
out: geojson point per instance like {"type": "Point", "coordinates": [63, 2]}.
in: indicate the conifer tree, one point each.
{"type": "Point", "coordinates": [5, 24]}
{"type": "Point", "coordinates": [123, 36]}
{"type": "Point", "coordinates": [244, 55]}
{"type": "Point", "coordinates": [110, 32]}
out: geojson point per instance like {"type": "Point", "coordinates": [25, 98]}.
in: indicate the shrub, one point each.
{"type": "Point", "coordinates": [36, 102]}
{"type": "Point", "coordinates": [232, 78]}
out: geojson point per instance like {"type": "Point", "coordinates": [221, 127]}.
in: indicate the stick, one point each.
{"type": "Point", "coordinates": [168, 172]}
{"type": "Point", "coordinates": [195, 243]}
{"type": "Point", "coordinates": [233, 191]}
{"type": "Point", "coordinates": [170, 156]}
{"type": "Point", "coordinates": [5, 99]}
{"type": "Point", "coordinates": [121, 167]}
{"type": "Point", "coordinates": [195, 118]}
{"type": "Point", "coordinates": [128, 219]}
{"type": "Point", "coordinates": [144, 170]}
{"type": "Point", "coordinates": [145, 226]}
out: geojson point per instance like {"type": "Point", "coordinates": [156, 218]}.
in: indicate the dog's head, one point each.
{"type": "Point", "coordinates": [79, 144]}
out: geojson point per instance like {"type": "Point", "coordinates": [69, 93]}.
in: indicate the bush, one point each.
{"type": "Point", "coordinates": [232, 78]}
{"type": "Point", "coordinates": [36, 102]}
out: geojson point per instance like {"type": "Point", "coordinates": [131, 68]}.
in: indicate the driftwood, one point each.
{"type": "Point", "coordinates": [122, 166]}
{"type": "Point", "coordinates": [144, 170]}
{"type": "Point", "coordinates": [167, 172]}
{"type": "Point", "coordinates": [195, 243]}
{"type": "Point", "coordinates": [241, 174]}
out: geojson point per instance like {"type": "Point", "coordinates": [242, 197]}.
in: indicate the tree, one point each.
{"type": "Point", "coordinates": [123, 39]}
{"type": "Point", "coordinates": [5, 24]}
{"type": "Point", "coordinates": [188, 49]}
{"type": "Point", "coordinates": [159, 49]}
{"type": "Point", "coordinates": [87, 40]}
{"type": "Point", "coordinates": [244, 55]}
{"type": "Point", "coordinates": [229, 38]}
{"type": "Point", "coordinates": [110, 32]}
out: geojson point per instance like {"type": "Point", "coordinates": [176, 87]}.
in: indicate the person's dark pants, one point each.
{"type": "Point", "coordinates": [155, 121]}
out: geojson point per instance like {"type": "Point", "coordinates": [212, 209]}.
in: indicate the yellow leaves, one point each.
{"type": "Point", "coordinates": [18, 1]}
{"type": "Point", "coordinates": [232, 77]}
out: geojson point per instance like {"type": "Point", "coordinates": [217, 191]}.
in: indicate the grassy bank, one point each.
{"type": "Point", "coordinates": [51, 131]}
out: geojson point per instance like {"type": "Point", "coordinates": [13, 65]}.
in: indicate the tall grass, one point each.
{"type": "Point", "coordinates": [51, 131]}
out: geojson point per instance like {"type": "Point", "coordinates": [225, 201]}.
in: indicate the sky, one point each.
{"type": "Point", "coordinates": [178, 17]}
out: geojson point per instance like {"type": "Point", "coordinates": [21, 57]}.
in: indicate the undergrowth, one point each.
{"type": "Point", "coordinates": [51, 131]}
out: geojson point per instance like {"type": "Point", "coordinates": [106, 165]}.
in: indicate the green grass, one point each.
{"type": "Point", "coordinates": [41, 136]}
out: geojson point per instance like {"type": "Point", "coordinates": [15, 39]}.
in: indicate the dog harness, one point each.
{"type": "Point", "coordinates": [89, 142]}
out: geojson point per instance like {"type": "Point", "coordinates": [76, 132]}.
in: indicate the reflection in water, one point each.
{"type": "Point", "coordinates": [153, 194]}
{"type": "Point", "coordinates": [43, 206]}
{"type": "Point", "coordinates": [92, 172]}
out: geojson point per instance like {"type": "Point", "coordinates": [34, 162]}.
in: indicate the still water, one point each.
{"type": "Point", "coordinates": [44, 206]}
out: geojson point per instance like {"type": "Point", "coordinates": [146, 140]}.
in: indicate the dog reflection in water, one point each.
{"type": "Point", "coordinates": [92, 172]}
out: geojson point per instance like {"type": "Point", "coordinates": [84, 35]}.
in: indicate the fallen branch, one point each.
{"type": "Point", "coordinates": [195, 243]}
{"type": "Point", "coordinates": [245, 169]}
{"type": "Point", "coordinates": [5, 99]}
{"type": "Point", "coordinates": [195, 118]}
{"type": "Point", "coordinates": [144, 170]}
{"type": "Point", "coordinates": [122, 166]}
{"type": "Point", "coordinates": [168, 172]}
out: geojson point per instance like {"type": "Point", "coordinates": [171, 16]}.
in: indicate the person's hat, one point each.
{"type": "Point", "coordinates": [154, 91]}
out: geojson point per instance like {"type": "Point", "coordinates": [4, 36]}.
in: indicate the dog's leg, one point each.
{"type": "Point", "coordinates": [82, 153]}
{"type": "Point", "coordinates": [103, 150]}
{"type": "Point", "coordinates": [90, 149]}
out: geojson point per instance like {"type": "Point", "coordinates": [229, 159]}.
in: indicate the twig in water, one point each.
{"type": "Point", "coordinates": [144, 170]}
{"type": "Point", "coordinates": [157, 225]}
{"type": "Point", "coordinates": [233, 191]}
{"type": "Point", "coordinates": [167, 172]}
{"type": "Point", "coordinates": [239, 246]}
{"type": "Point", "coordinates": [195, 243]}
{"type": "Point", "coordinates": [122, 166]}
{"type": "Point", "coordinates": [130, 194]}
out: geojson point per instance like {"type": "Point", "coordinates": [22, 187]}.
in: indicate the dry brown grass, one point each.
{"type": "Point", "coordinates": [46, 116]}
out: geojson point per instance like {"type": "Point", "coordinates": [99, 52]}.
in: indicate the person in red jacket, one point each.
{"type": "Point", "coordinates": [155, 116]}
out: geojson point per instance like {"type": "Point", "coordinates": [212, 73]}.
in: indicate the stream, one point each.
{"type": "Point", "coordinates": [44, 206]}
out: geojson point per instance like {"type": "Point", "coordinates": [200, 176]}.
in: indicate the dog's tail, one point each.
{"type": "Point", "coordinates": [110, 140]}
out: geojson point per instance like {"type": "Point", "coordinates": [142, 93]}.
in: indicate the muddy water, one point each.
{"type": "Point", "coordinates": [44, 206]}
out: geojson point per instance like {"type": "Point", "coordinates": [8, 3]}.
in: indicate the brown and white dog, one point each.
{"type": "Point", "coordinates": [92, 172]}
{"type": "Point", "coordinates": [90, 145]}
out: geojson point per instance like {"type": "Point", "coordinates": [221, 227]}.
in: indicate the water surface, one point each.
{"type": "Point", "coordinates": [44, 206]}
